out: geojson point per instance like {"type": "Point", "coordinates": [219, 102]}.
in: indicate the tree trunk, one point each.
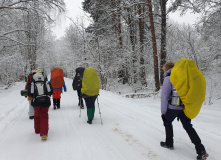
{"type": "Point", "coordinates": [141, 11]}
{"type": "Point", "coordinates": [156, 71]}
{"type": "Point", "coordinates": [131, 29]}
{"type": "Point", "coordinates": [119, 24]}
{"type": "Point", "coordinates": [163, 53]}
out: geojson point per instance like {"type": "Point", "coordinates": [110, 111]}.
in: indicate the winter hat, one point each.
{"type": "Point", "coordinates": [38, 71]}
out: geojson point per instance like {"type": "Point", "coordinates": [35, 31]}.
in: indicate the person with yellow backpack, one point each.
{"type": "Point", "coordinates": [90, 91]}
{"type": "Point", "coordinates": [183, 92]}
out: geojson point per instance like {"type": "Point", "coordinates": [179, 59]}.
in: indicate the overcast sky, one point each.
{"type": "Point", "coordinates": [74, 10]}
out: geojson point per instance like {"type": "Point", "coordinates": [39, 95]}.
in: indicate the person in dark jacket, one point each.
{"type": "Point", "coordinates": [40, 91]}
{"type": "Point", "coordinates": [169, 112]}
{"type": "Point", "coordinates": [77, 85]}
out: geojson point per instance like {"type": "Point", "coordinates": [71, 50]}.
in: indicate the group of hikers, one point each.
{"type": "Point", "coordinates": [39, 90]}
{"type": "Point", "coordinates": [182, 83]}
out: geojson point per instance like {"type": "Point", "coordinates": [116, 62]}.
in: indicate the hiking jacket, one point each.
{"type": "Point", "coordinates": [77, 82]}
{"type": "Point", "coordinates": [166, 94]}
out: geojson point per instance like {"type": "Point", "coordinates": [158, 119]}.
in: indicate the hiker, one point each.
{"type": "Point", "coordinates": [77, 84]}
{"type": "Point", "coordinates": [90, 91]}
{"type": "Point", "coordinates": [58, 84]}
{"type": "Point", "coordinates": [41, 91]}
{"type": "Point", "coordinates": [169, 112]}
{"type": "Point", "coordinates": [27, 87]}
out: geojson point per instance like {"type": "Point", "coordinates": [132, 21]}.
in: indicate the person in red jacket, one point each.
{"type": "Point", "coordinates": [27, 87]}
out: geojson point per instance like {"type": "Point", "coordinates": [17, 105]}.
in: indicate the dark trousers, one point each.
{"type": "Point", "coordinates": [80, 98]}
{"type": "Point", "coordinates": [56, 103]}
{"type": "Point", "coordinates": [186, 122]}
{"type": "Point", "coordinates": [172, 114]}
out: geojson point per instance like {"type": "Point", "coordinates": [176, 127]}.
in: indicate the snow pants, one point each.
{"type": "Point", "coordinates": [56, 94]}
{"type": "Point", "coordinates": [186, 122]}
{"type": "Point", "coordinates": [90, 103]}
{"type": "Point", "coordinates": [31, 109]}
{"type": "Point", "coordinates": [172, 114]}
{"type": "Point", "coordinates": [41, 120]}
{"type": "Point", "coordinates": [80, 103]}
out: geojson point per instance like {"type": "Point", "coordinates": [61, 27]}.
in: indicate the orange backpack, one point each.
{"type": "Point", "coordinates": [57, 78]}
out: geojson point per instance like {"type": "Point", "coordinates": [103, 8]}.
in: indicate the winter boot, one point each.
{"type": "Point", "coordinates": [202, 156]}
{"type": "Point", "coordinates": [55, 103]}
{"type": "Point", "coordinates": [58, 103]}
{"type": "Point", "coordinates": [195, 139]}
{"type": "Point", "coordinates": [31, 117]}
{"type": "Point", "coordinates": [169, 138]}
{"type": "Point", "coordinates": [44, 138]}
{"type": "Point", "coordinates": [89, 121]}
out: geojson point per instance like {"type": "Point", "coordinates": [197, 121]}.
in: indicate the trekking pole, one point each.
{"type": "Point", "coordinates": [99, 111]}
{"type": "Point", "coordinates": [80, 112]}
{"type": "Point", "coordinates": [80, 108]}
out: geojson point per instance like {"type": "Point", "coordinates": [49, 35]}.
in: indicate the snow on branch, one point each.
{"type": "Point", "coordinates": [9, 32]}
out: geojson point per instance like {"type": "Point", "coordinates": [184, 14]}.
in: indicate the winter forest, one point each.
{"type": "Point", "coordinates": [126, 41]}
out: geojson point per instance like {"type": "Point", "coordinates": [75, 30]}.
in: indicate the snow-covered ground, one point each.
{"type": "Point", "coordinates": [132, 130]}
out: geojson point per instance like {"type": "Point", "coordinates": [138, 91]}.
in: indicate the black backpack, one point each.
{"type": "Point", "coordinates": [77, 82]}
{"type": "Point", "coordinates": [41, 90]}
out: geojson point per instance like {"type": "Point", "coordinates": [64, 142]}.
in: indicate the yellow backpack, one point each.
{"type": "Point", "coordinates": [90, 82]}
{"type": "Point", "coordinates": [190, 85]}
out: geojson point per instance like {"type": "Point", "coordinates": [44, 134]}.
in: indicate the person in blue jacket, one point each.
{"type": "Point", "coordinates": [57, 96]}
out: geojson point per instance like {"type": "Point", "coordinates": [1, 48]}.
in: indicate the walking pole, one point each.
{"type": "Point", "coordinates": [99, 111]}
{"type": "Point", "coordinates": [80, 112]}
{"type": "Point", "coordinates": [80, 108]}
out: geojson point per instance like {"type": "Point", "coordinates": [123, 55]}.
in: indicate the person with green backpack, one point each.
{"type": "Point", "coordinates": [90, 91]}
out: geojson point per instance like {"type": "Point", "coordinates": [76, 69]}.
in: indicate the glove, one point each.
{"type": "Point", "coordinates": [163, 118]}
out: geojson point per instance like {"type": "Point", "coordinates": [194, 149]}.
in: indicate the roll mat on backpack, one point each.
{"type": "Point", "coordinates": [24, 92]}
{"type": "Point", "coordinates": [57, 78]}
{"type": "Point", "coordinates": [190, 84]}
{"type": "Point", "coordinates": [90, 82]}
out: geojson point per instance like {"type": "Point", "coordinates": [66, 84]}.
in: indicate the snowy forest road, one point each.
{"type": "Point", "coordinates": [132, 130]}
